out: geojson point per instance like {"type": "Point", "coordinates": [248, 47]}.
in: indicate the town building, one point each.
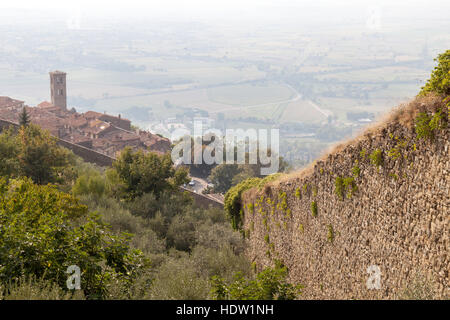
{"type": "Point", "coordinates": [101, 132]}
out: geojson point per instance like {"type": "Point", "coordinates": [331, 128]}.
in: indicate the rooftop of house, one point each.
{"type": "Point", "coordinates": [105, 131]}
{"type": "Point", "coordinates": [7, 101]}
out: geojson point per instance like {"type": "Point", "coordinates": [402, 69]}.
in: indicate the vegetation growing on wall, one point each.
{"type": "Point", "coordinates": [233, 202]}
{"type": "Point", "coordinates": [339, 187]}
{"type": "Point", "coordinates": [427, 125]}
{"type": "Point", "coordinates": [314, 209]}
{"type": "Point", "coordinates": [376, 158]}
{"type": "Point", "coordinates": [330, 233]}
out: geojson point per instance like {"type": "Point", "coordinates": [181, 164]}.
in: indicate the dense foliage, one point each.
{"type": "Point", "coordinates": [148, 172]}
{"type": "Point", "coordinates": [233, 202]}
{"type": "Point", "coordinates": [43, 231]}
{"type": "Point", "coordinates": [439, 81]}
{"type": "Point", "coordinates": [270, 284]}
{"type": "Point", "coordinates": [154, 245]}
{"type": "Point", "coordinates": [226, 175]}
{"type": "Point", "coordinates": [33, 153]}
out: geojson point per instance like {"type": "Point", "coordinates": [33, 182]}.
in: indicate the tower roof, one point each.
{"type": "Point", "coordinates": [57, 72]}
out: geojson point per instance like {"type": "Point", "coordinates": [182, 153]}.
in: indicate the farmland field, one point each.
{"type": "Point", "coordinates": [250, 94]}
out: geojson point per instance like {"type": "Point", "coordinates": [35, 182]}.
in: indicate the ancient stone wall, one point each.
{"type": "Point", "coordinates": [204, 201]}
{"type": "Point", "coordinates": [393, 215]}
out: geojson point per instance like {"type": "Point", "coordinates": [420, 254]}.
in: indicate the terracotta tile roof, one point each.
{"type": "Point", "coordinates": [9, 102]}
{"type": "Point", "coordinates": [99, 131]}
{"type": "Point", "coordinates": [45, 104]}
{"type": "Point", "coordinates": [92, 115]}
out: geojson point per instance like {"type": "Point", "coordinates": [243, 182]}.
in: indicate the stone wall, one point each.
{"type": "Point", "coordinates": [397, 219]}
{"type": "Point", "coordinates": [204, 201]}
{"type": "Point", "coordinates": [87, 154]}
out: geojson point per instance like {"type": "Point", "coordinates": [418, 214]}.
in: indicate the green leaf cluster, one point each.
{"type": "Point", "coordinates": [439, 81]}
{"type": "Point", "coordinates": [43, 231]}
{"type": "Point", "coordinates": [270, 284]}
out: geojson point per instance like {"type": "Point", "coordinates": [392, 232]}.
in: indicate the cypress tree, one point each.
{"type": "Point", "coordinates": [24, 118]}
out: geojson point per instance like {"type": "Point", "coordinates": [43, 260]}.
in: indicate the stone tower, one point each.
{"type": "Point", "coordinates": [58, 89]}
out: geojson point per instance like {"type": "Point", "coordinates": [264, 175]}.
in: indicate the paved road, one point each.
{"type": "Point", "coordinates": [199, 186]}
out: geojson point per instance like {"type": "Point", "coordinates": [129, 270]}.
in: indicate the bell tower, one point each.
{"type": "Point", "coordinates": [58, 89]}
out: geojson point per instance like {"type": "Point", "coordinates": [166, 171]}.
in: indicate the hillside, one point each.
{"type": "Point", "coordinates": [380, 199]}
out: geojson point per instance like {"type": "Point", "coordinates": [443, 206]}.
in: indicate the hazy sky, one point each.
{"type": "Point", "coordinates": [230, 8]}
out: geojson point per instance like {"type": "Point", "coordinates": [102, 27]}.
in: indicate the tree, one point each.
{"type": "Point", "coordinates": [222, 176]}
{"type": "Point", "coordinates": [225, 176]}
{"type": "Point", "coordinates": [439, 81]}
{"type": "Point", "coordinates": [44, 231]}
{"type": "Point", "coordinates": [24, 118]}
{"type": "Point", "coordinates": [148, 173]}
{"type": "Point", "coordinates": [33, 153]}
{"type": "Point", "coordinates": [9, 150]}
{"type": "Point", "coordinates": [40, 158]}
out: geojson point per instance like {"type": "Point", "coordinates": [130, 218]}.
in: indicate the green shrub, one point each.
{"type": "Point", "coordinates": [345, 186]}
{"type": "Point", "coordinates": [32, 152]}
{"type": "Point", "coordinates": [393, 175]}
{"type": "Point", "coordinates": [269, 284]}
{"type": "Point", "coordinates": [350, 186]}
{"type": "Point", "coordinates": [423, 129]}
{"type": "Point", "coordinates": [181, 233]}
{"type": "Point", "coordinates": [356, 171]}
{"type": "Point", "coordinates": [362, 154]}
{"type": "Point", "coordinates": [233, 201]}
{"type": "Point", "coordinates": [427, 125]}
{"type": "Point", "coordinates": [36, 289]}
{"type": "Point", "coordinates": [43, 231]}
{"type": "Point", "coordinates": [298, 193]}
{"type": "Point", "coordinates": [178, 279]}
{"type": "Point", "coordinates": [420, 288]}
{"type": "Point", "coordinates": [92, 184]}
{"type": "Point", "coordinates": [314, 190]}
{"type": "Point", "coordinates": [215, 236]}
{"type": "Point", "coordinates": [282, 204]}
{"type": "Point", "coordinates": [439, 81]}
{"type": "Point", "coordinates": [149, 172]}
{"type": "Point", "coordinates": [119, 220]}
{"type": "Point", "coordinates": [222, 261]}
{"type": "Point", "coordinates": [330, 234]}
{"type": "Point", "coordinates": [314, 209]}
{"type": "Point", "coordinates": [288, 213]}
{"type": "Point", "coordinates": [376, 157]}
{"type": "Point", "coordinates": [339, 187]}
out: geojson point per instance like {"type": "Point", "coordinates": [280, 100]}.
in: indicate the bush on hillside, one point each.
{"type": "Point", "coordinates": [43, 231]}
{"type": "Point", "coordinates": [439, 81]}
